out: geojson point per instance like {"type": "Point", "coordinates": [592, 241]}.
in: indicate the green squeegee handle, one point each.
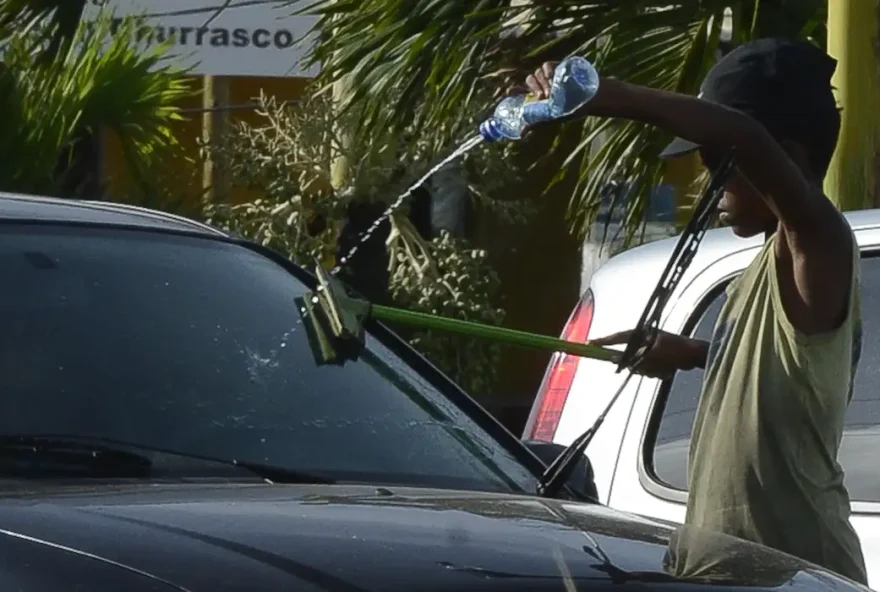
{"type": "Point", "coordinates": [488, 332]}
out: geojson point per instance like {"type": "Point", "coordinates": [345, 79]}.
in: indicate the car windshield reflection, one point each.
{"type": "Point", "coordinates": [195, 345]}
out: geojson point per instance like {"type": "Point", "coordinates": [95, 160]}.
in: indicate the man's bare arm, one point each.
{"type": "Point", "coordinates": [815, 244]}
{"type": "Point", "coordinates": [815, 237]}
{"type": "Point", "coordinates": [669, 354]}
{"type": "Point", "coordinates": [701, 352]}
{"type": "Point", "coordinates": [794, 200]}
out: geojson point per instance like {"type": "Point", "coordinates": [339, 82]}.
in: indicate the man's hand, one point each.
{"type": "Point", "coordinates": [603, 104]}
{"type": "Point", "coordinates": [669, 353]}
{"type": "Point", "coordinates": [539, 82]}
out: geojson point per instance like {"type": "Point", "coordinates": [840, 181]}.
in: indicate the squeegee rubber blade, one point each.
{"type": "Point", "coordinates": [318, 337]}
{"type": "Point", "coordinates": [329, 303]}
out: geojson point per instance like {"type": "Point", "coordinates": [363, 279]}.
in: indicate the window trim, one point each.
{"type": "Point", "coordinates": [647, 477]}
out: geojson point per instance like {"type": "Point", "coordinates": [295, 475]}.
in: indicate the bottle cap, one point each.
{"type": "Point", "coordinates": [490, 132]}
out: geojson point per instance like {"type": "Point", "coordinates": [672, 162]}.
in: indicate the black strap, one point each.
{"type": "Point", "coordinates": [645, 333]}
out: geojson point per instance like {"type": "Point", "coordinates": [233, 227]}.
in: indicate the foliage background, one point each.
{"type": "Point", "coordinates": [53, 96]}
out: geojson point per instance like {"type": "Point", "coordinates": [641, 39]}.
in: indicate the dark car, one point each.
{"type": "Point", "coordinates": [164, 427]}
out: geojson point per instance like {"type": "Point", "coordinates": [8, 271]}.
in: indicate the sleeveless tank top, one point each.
{"type": "Point", "coordinates": [763, 458]}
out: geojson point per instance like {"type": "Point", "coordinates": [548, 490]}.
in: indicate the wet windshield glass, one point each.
{"type": "Point", "coordinates": [195, 345]}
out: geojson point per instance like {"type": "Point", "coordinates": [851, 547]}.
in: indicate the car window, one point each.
{"type": "Point", "coordinates": [862, 432]}
{"type": "Point", "coordinates": [195, 345]}
{"type": "Point", "coordinates": [670, 455]}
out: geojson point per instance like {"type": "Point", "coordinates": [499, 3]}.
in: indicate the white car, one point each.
{"type": "Point", "coordinates": [640, 453]}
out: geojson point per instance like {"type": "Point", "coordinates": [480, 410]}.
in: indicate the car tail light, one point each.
{"type": "Point", "coordinates": [559, 377]}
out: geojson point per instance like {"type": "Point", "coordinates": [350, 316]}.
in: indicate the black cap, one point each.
{"type": "Point", "coordinates": [774, 80]}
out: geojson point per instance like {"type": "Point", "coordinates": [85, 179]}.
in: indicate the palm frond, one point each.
{"type": "Point", "coordinates": [56, 21]}
{"type": "Point", "coordinates": [424, 62]}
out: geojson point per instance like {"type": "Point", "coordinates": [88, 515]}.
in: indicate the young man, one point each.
{"type": "Point", "coordinates": [780, 366]}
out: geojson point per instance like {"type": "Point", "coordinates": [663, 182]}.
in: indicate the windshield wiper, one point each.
{"type": "Point", "coordinates": [32, 455]}
{"type": "Point", "coordinates": [282, 475]}
{"type": "Point", "coordinates": [107, 457]}
{"type": "Point", "coordinates": [645, 334]}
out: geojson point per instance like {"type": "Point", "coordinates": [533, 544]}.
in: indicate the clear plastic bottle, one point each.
{"type": "Point", "coordinates": [575, 82]}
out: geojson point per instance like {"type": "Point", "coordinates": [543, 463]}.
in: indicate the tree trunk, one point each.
{"type": "Point", "coordinates": [78, 170]}
{"type": "Point", "coordinates": [876, 202]}
{"type": "Point", "coordinates": [215, 126]}
{"type": "Point", "coordinates": [852, 26]}
{"type": "Point", "coordinates": [340, 167]}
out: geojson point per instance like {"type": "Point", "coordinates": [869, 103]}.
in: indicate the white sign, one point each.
{"type": "Point", "coordinates": [246, 38]}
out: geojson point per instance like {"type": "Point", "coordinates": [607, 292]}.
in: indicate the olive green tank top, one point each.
{"type": "Point", "coordinates": [763, 457]}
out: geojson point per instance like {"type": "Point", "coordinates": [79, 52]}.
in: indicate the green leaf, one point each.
{"type": "Point", "coordinates": [94, 80]}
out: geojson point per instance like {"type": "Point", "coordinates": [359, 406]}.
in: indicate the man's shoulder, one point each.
{"type": "Point", "coordinates": [827, 222]}
{"type": "Point", "coordinates": [823, 248]}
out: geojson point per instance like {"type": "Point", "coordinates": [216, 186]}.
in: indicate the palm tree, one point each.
{"type": "Point", "coordinates": [426, 61]}
{"type": "Point", "coordinates": [852, 179]}
{"type": "Point", "coordinates": [60, 82]}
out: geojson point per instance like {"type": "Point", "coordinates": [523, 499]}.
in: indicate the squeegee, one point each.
{"type": "Point", "coordinates": [335, 320]}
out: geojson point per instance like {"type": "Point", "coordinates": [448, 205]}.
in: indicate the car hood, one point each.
{"type": "Point", "coordinates": [356, 539]}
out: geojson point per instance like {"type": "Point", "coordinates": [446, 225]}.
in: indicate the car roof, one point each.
{"type": "Point", "coordinates": [648, 261]}
{"type": "Point", "coordinates": [30, 208]}
{"type": "Point", "coordinates": [717, 243]}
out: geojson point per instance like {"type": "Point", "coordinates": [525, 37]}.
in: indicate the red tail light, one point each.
{"type": "Point", "coordinates": [560, 375]}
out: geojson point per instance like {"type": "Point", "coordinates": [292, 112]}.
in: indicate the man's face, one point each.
{"type": "Point", "coordinates": [742, 207]}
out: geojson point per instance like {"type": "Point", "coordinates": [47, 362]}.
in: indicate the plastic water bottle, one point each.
{"type": "Point", "coordinates": [575, 82]}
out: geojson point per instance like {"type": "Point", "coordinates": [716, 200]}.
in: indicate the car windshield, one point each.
{"type": "Point", "coordinates": [195, 345]}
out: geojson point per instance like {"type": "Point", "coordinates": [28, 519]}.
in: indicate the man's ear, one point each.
{"type": "Point", "coordinates": [798, 154]}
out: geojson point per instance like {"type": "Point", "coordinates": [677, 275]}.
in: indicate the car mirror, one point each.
{"type": "Point", "coordinates": [581, 479]}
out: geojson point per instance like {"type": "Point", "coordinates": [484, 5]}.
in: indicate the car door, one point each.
{"type": "Point", "coordinates": [651, 478]}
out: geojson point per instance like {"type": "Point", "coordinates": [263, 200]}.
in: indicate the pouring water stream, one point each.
{"type": "Point", "coordinates": [463, 149]}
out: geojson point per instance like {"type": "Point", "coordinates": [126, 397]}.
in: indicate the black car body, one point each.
{"type": "Point", "coordinates": [164, 427]}
{"type": "Point", "coordinates": [356, 539]}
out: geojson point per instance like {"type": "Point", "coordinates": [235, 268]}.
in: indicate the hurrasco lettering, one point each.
{"type": "Point", "coordinates": [210, 36]}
